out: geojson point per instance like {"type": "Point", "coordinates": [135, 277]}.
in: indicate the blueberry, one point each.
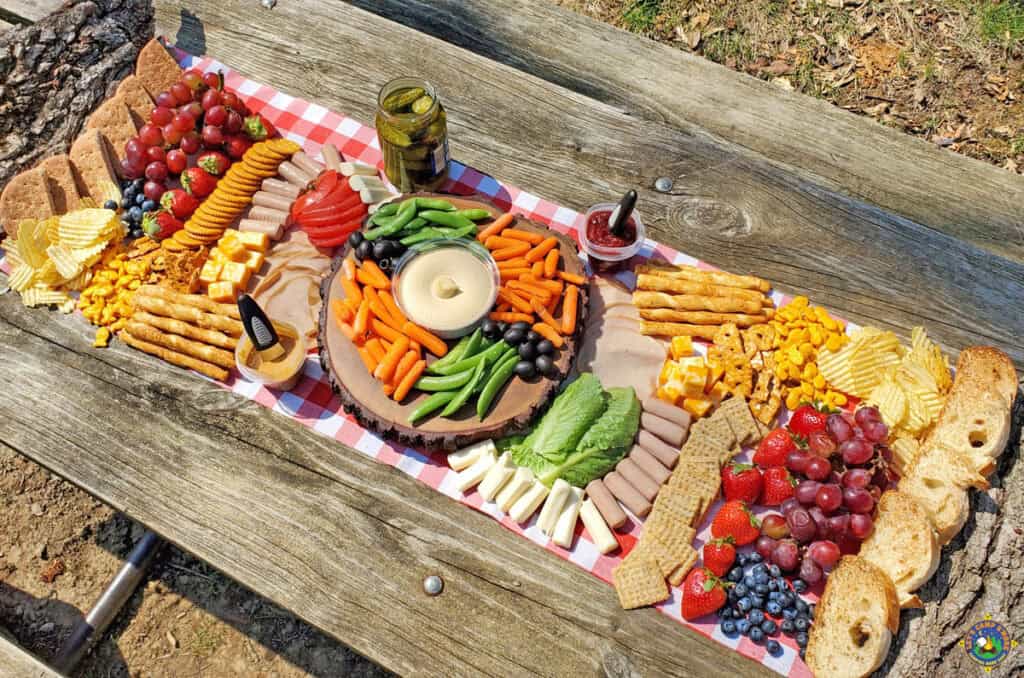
{"type": "Point", "coordinates": [736, 573]}
{"type": "Point", "coordinates": [742, 559]}
{"type": "Point", "coordinates": [126, 203]}
{"type": "Point", "coordinates": [786, 599]}
{"type": "Point", "coordinates": [773, 585]}
{"type": "Point", "coordinates": [110, 205]}
{"type": "Point", "coordinates": [140, 198]}
{"type": "Point", "coordinates": [773, 608]}
{"type": "Point", "coordinates": [803, 653]}
{"type": "Point", "coordinates": [787, 627]}
{"type": "Point", "coordinates": [762, 589]}
{"type": "Point", "coordinates": [757, 602]}
{"type": "Point", "coordinates": [135, 233]}
{"type": "Point", "coordinates": [774, 571]}
{"type": "Point", "coordinates": [743, 626]}
{"type": "Point", "coordinates": [755, 557]}
{"type": "Point", "coordinates": [744, 604]}
{"type": "Point", "coordinates": [799, 585]}
{"type": "Point", "coordinates": [729, 628]}
{"type": "Point", "coordinates": [773, 647]}
{"type": "Point", "coordinates": [761, 577]}
{"type": "Point", "coordinates": [756, 634]}
{"type": "Point", "coordinates": [149, 205]}
{"type": "Point", "coordinates": [725, 613]}
{"type": "Point", "coordinates": [138, 183]}
{"type": "Point", "coordinates": [775, 597]}
{"type": "Point", "coordinates": [741, 589]}
{"type": "Point", "coordinates": [789, 613]}
{"type": "Point", "coordinates": [135, 213]}
{"type": "Point", "coordinates": [801, 640]}
{"type": "Point", "coordinates": [756, 616]}
{"type": "Point", "coordinates": [750, 581]}
{"type": "Point", "coordinates": [731, 595]}
{"type": "Point", "coordinates": [769, 627]}
{"type": "Point", "coordinates": [800, 624]}
{"type": "Point", "coordinates": [801, 606]}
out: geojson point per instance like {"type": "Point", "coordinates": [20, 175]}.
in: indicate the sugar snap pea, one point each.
{"type": "Point", "coordinates": [458, 401]}
{"type": "Point", "coordinates": [434, 204]}
{"type": "Point", "coordinates": [498, 377]}
{"type": "Point", "coordinates": [406, 213]}
{"type": "Point", "coordinates": [449, 382]}
{"type": "Point", "coordinates": [383, 213]}
{"type": "Point", "coordinates": [432, 403]}
{"type": "Point", "coordinates": [486, 357]}
{"type": "Point", "coordinates": [475, 214]}
{"type": "Point", "coordinates": [445, 218]}
{"type": "Point", "coordinates": [459, 349]}
{"type": "Point", "coordinates": [438, 233]}
{"type": "Point", "coordinates": [413, 226]}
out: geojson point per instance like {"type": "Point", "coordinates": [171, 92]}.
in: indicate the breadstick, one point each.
{"type": "Point", "coordinates": [174, 358]}
{"type": "Point", "coordinates": [175, 326]}
{"type": "Point", "coordinates": [189, 314]}
{"type": "Point", "coordinates": [657, 329]}
{"type": "Point", "coordinates": [659, 284]}
{"type": "Point", "coordinates": [195, 300]}
{"type": "Point", "coordinates": [687, 302]}
{"type": "Point", "coordinates": [203, 352]}
{"type": "Point", "coordinates": [684, 272]}
{"type": "Point", "coordinates": [701, 317]}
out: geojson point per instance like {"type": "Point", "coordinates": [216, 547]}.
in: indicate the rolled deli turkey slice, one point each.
{"type": "Point", "coordinates": [290, 289]}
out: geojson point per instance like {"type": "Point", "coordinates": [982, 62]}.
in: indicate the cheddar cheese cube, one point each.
{"type": "Point", "coordinates": [255, 260]}
{"type": "Point", "coordinates": [697, 408]}
{"type": "Point", "coordinates": [235, 272]}
{"type": "Point", "coordinates": [667, 395]}
{"type": "Point", "coordinates": [233, 248]}
{"type": "Point", "coordinates": [682, 347]}
{"type": "Point", "coordinates": [210, 272]}
{"type": "Point", "coordinates": [217, 255]}
{"type": "Point", "coordinates": [254, 240]}
{"type": "Point", "coordinates": [222, 291]}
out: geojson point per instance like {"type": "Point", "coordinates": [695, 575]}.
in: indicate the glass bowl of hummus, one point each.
{"type": "Point", "coordinates": [446, 286]}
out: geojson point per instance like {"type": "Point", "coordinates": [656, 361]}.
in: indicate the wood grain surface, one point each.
{"type": "Point", "coordinates": [728, 207]}
{"type": "Point", "coordinates": [954, 194]}
{"type": "Point", "coordinates": [14, 661]}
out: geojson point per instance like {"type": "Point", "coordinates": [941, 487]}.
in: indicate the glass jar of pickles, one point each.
{"type": "Point", "coordinates": [413, 131]}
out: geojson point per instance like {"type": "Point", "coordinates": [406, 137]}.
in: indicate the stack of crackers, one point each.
{"type": "Point", "coordinates": [688, 301]}
{"type": "Point", "coordinates": [665, 549]}
{"type": "Point", "coordinates": [748, 357]}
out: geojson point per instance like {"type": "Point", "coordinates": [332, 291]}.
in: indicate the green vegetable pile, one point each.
{"type": "Point", "coordinates": [417, 220]}
{"type": "Point", "coordinates": [582, 437]}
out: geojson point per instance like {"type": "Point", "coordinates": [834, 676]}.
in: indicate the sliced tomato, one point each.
{"type": "Point", "coordinates": [353, 201]}
{"type": "Point", "coordinates": [330, 232]}
{"type": "Point", "coordinates": [333, 217]}
{"type": "Point", "coordinates": [333, 241]}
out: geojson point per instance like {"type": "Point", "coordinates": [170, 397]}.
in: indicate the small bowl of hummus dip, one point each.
{"type": "Point", "coordinates": [446, 286]}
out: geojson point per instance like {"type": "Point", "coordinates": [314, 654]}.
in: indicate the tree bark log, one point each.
{"type": "Point", "coordinates": [56, 71]}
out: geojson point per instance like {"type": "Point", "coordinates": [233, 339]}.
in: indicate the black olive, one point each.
{"type": "Point", "coordinates": [525, 369]}
{"type": "Point", "coordinates": [514, 337]}
{"type": "Point", "coordinates": [544, 364]}
{"type": "Point", "coordinates": [489, 328]}
{"type": "Point", "coordinates": [533, 337]}
{"type": "Point", "coordinates": [502, 327]}
{"type": "Point", "coordinates": [364, 250]}
{"type": "Point", "coordinates": [393, 248]}
{"type": "Point", "coordinates": [380, 250]}
{"type": "Point", "coordinates": [527, 351]}
{"type": "Point", "coordinates": [355, 238]}
{"type": "Point", "coordinates": [545, 347]}
{"type": "Point", "coordinates": [384, 264]}
{"type": "Point", "coordinates": [525, 327]}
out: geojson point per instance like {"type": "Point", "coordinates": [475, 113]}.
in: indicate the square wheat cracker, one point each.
{"type": "Point", "coordinates": [639, 583]}
{"type": "Point", "coordinates": [679, 574]}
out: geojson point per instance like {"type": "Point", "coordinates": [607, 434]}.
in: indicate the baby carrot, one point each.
{"type": "Point", "coordinates": [542, 311]}
{"type": "Point", "coordinates": [551, 264]}
{"type": "Point", "coordinates": [509, 317]}
{"type": "Point", "coordinates": [377, 277]}
{"type": "Point", "coordinates": [347, 330]}
{"type": "Point", "coordinates": [517, 302]}
{"type": "Point", "coordinates": [362, 320]}
{"type": "Point", "coordinates": [352, 290]}
{"type": "Point", "coordinates": [368, 359]}
{"type": "Point", "coordinates": [511, 252]}
{"type": "Point", "coordinates": [496, 242]}
{"type": "Point", "coordinates": [404, 365]}
{"type": "Point", "coordinates": [541, 250]}
{"type": "Point", "coordinates": [432, 343]}
{"type": "Point", "coordinates": [377, 310]}
{"type": "Point", "coordinates": [384, 329]}
{"type": "Point", "coordinates": [525, 236]}
{"type": "Point", "coordinates": [571, 278]}
{"type": "Point", "coordinates": [553, 286]}
{"type": "Point", "coordinates": [537, 270]}
{"type": "Point", "coordinates": [392, 306]}
{"type": "Point", "coordinates": [341, 310]}
{"type": "Point", "coordinates": [349, 266]}
{"type": "Point", "coordinates": [376, 350]}
{"type": "Point", "coordinates": [495, 227]}
{"type": "Point", "coordinates": [410, 379]}
{"type": "Point", "coordinates": [549, 333]}
{"type": "Point", "coordinates": [518, 262]}
{"type": "Point", "coordinates": [569, 309]}
{"type": "Point", "coordinates": [530, 288]}
{"type": "Point", "coordinates": [512, 273]}
{"type": "Point", "coordinates": [552, 305]}
{"type": "Point", "coordinates": [386, 369]}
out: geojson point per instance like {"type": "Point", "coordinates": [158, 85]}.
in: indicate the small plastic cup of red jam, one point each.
{"type": "Point", "coordinates": [606, 250]}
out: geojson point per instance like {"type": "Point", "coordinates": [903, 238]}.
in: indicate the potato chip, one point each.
{"type": "Point", "coordinates": [904, 453]}
{"type": "Point", "coordinates": [63, 259]}
{"type": "Point", "coordinates": [891, 402]}
{"type": "Point", "coordinates": [21, 278]}
{"type": "Point", "coordinates": [39, 296]}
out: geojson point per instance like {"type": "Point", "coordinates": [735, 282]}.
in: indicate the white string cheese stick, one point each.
{"type": "Point", "coordinates": [469, 477]}
{"type": "Point", "coordinates": [465, 457]}
{"type": "Point", "coordinates": [553, 507]}
{"type": "Point", "coordinates": [496, 477]}
{"type": "Point", "coordinates": [527, 505]}
{"type": "Point", "coordinates": [603, 538]}
{"type": "Point", "coordinates": [565, 527]}
{"type": "Point", "coordinates": [514, 489]}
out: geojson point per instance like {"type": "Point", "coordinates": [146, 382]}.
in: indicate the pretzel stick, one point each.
{"type": "Point", "coordinates": [188, 314]}
{"type": "Point", "coordinates": [686, 302]}
{"type": "Point", "coordinates": [677, 330]}
{"type": "Point", "coordinates": [175, 326]}
{"type": "Point", "coordinates": [217, 356]}
{"type": "Point", "coordinates": [174, 358]}
{"type": "Point", "coordinates": [195, 300]}
{"type": "Point", "coordinates": [702, 317]}
{"type": "Point", "coordinates": [658, 284]}
{"type": "Point", "coordinates": [692, 273]}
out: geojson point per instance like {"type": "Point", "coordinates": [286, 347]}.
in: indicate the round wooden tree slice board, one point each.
{"type": "Point", "coordinates": [514, 407]}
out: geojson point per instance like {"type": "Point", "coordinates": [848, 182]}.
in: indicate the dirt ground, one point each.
{"type": "Point", "coordinates": [59, 548]}
{"type": "Point", "coordinates": [949, 71]}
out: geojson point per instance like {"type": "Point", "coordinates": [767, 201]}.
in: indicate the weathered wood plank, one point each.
{"type": "Point", "coordinates": [954, 194]}
{"type": "Point", "coordinates": [17, 662]}
{"type": "Point", "coordinates": [339, 539]}
{"type": "Point", "coordinates": [728, 206]}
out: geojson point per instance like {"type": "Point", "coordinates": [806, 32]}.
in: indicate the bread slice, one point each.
{"type": "Point", "coordinates": [939, 482]}
{"type": "Point", "coordinates": [137, 99]}
{"type": "Point", "coordinates": [855, 621]}
{"type": "Point", "coordinates": [903, 545]}
{"type": "Point", "coordinates": [92, 163]}
{"type": "Point", "coordinates": [60, 176]}
{"type": "Point", "coordinates": [26, 196]}
{"type": "Point", "coordinates": [156, 69]}
{"type": "Point", "coordinates": [114, 121]}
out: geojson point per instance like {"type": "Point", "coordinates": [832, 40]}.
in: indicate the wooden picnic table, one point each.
{"type": "Point", "coordinates": [881, 228]}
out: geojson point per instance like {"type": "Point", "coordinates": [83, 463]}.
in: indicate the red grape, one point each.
{"type": "Point", "coordinates": [212, 137]}
{"type": "Point", "coordinates": [786, 555]}
{"type": "Point", "coordinates": [171, 134]}
{"type": "Point", "coordinates": [856, 451]}
{"type": "Point", "coordinates": [150, 135]}
{"type": "Point", "coordinates": [234, 122]}
{"type": "Point", "coordinates": [820, 521]}
{"type": "Point", "coordinates": [181, 92]}
{"type": "Point", "coordinates": [838, 428]}
{"type": "Point", "coordinates": [838, 526]}
{"type": "Point", "coordinates": [829, 498]}
{"type": "Point", "coordinates": [216, 115]}
{"type": "Point", "coordinates": [801, 525]}
{"type": "Point", "coordinates": [876, 431]}
{"type": "Point", "coordinates": [824, 553]}
{"type": "Point", "coordinates": [806, 491]}
{"type": "Point", "coordinates": [773, 525]}
{"type": "Point", "coordinates": [166, 100]}
{"type": "Point", "coordinates": [821, 444]}
{"type": "Point", "coordinates": [861, 525]}
{"type": "Point", "coordinates": [865, 415]}
{"type": "Point", "coordinates": [857, 477]}
{"type": "Point", "coordinates": [765, 545]}
{"type": "Point", "coordinates": [184, 122]}
{"type": "Point", "coordinates": [818, 469]}
{"type": "Point", "coordinates": [796, 461]}
{"type": "Point", "coordinates": [211, 99]}
{"type": "Point", "coordinates": [192, 78]}
{"type": "Point", "coordinates": [810, 572]}
{"type": "Point", "coordinates": [231, 100]}
{"type": "Point", "coordinates": [875, 491]}
{"type": "Point", "coordinates": [132, 168]}
{"type": "Point", "coordinates": [858, 500]}
{"type": "Point", "coordinates": [211, 80]}
{"type": "Point", "coordinates": [161, 116]}
{"type": "Point", "coordinates": [195, 109]}
{"type": "Point", "coordinates": [156, 154]}
{"type": "Point", "coordinates": [156, 171]}
{"type": "Point", "coordinates": [177, 161]}
{"type": "Point", "coordinates": [788, 505]}
{"type": "Point", "coordinates": [190, 142]}
{"type": "Point", "coordinates": [153, 190]}
{"type": "Point", "coordinates": [134, 148]}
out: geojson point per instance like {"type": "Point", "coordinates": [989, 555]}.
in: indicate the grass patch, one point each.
{"type": "Point", "coordinates": [640, 15]}
{"type": "Point", "coordinates": [726, 45]}
{"type": "Point", "coordinates": [1017, 146]}
{"type": "Point", "coordinates": [1003, 23]}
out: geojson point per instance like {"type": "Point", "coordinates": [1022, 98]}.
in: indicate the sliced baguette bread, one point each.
{"type": "Point", "coordinates": [903, 545]}
{"type": "Point", "coordinates": [855, 621]}
{"type": "Point", "coordinates": [938, 482]}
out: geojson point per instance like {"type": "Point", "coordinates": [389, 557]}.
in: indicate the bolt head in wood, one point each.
{"type": "Point", "coordinates": [663, 184]}
{"type": "Point", "coordinates": [433, 585]}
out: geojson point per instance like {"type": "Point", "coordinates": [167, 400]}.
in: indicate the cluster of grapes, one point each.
{"type": "Point", "coordinates": [831, 509]}
{"type": "Point", "coordinates": [194, 113]}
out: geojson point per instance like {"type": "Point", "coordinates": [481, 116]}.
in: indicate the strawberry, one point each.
{"type": "Point", "coordinates": [179, 203]}
{"type": "Point", "coordinates": [741, 481]}
{"type": "Point", "coordinates": [160, 224]}
{"type": "Point", "coordinates": [778, 486]}
{"type": "Point", "coordinates": [258, 128]}
{"type": "Point", "coordinates": [214, 162]}
{"type": "Point", "coordinates": [235, 145]}
{"type": "Point", "coordinates": [198, 182]}
{"type": "Point", "coordinates": [808, 419]}
{"type": "Point", "coordinates": [703, 593]}
{"type": "Point", "coordinates": [773, 448]}
{"type": "Point", "coordinates": [735, 520]}
{"type": "Point", "coordinates": [719, 555]}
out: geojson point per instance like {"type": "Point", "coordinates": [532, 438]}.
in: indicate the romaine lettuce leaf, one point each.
{"type": "Point", "coordinates": [572, 413]}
